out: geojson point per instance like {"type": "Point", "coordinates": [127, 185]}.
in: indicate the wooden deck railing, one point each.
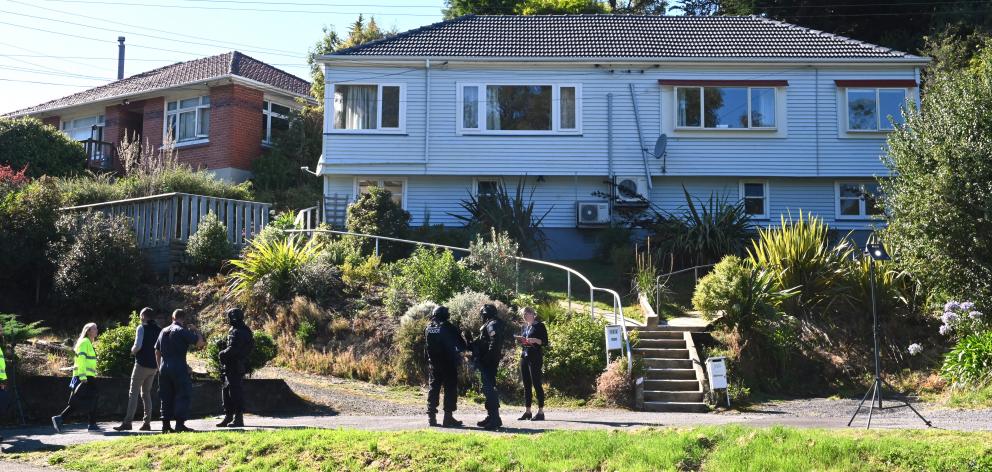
{"type": "Point", "coordinates": [160, 220]}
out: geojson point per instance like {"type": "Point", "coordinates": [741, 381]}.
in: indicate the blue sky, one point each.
{"type": "Point", "coordinates": [59, 47]}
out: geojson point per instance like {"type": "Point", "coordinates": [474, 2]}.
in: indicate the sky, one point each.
{"type": "Point", "coordinates": [53, 48]}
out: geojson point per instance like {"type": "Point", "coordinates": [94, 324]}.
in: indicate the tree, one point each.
{"type": "Point", "coordinates": [456, 8]}
{"type": "Point", "coordinates": [276, 174]}
{"type": "Point", "coordinates": [639, 7]}
{"type": "Point", "coordinates": [42, 148]}
{"type": "Point", "coordinates": [359, 33]}
{"type": "Point", "coordinates": [559, 7]}
{"type": "Point", "coordinates": [939, 195]}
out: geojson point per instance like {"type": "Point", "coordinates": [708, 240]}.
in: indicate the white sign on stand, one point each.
{"type": "Point", "coordinates": [614, 340]}
{"type": "Point", "coordinates": [716, 370]}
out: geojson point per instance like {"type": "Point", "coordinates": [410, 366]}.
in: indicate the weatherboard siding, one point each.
{"type": "Point", "coordinates": [809, 144]}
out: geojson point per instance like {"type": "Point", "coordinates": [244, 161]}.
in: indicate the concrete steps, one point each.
{"type": "Point", "coordinates": [671, 383]}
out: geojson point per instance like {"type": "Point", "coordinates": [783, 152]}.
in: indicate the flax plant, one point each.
{"type": "Point", "coordinates": [270, 265]}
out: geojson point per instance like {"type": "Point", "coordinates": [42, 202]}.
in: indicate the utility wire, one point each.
{"type": "Point", "coordinates": [45, 83]}
{"type": "Point", "coordinates": [59, 73]}
{"type": "Point", "coordinates": [198, 7]}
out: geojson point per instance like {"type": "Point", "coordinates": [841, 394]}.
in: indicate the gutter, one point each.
{"type": "Point", "coordinates": [917, 60]}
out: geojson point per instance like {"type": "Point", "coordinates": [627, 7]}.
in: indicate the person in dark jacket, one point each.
{"type": "Point", "coordinates": [234, 363]}
{"type": "Point", "coordinates": [444, 355]}
{"type": "Point", "coordinates": [175, 387]}
{"type": "Point", "coordinates": [488, 350]}
{"type": "Point", "coordinates": [533, 341]}
{"type": "Point", "coordinates": [143, 374]}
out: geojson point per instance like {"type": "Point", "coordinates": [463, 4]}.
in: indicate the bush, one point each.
{"type": "Point", "coordinates": [464, 310]}
{"type": "Point", "coordinates": [431, 274]}
{"type": "Point", "coordinates": [496, 271]}
{"type": "Point", "coordinates": [738, 296]}
{"type": "Point", "coordinates": [208, 248]}
{"type": "Point", "coordinates": [268, 268]}
{"type": "Point", "coordinates": [264, 351]}
{"type": "Point", "coordinates": [704, 232]}
{"type": "Point", "coordinates": [42, 148]}
{"type": "Point", "coordinates": [320, 279]}
{"type": "Point", "coordinates": [12, 179]}
{"type": "Point", "coordinates": [97, 263]}
{"type": "Point", "coordinates": [411, 343]}
{"type": "Point", "coordinates": [969, 363]}
{"type": "Point", "coordinates": [364, 274]}
{"type": "Point", "coordinates": [576, 353]}
{"type": "Point", "coordinates": [439, 234]}
{"type": "Point", "coordinates": [90, 188]}
{"type": "Point", "coordinates": [113, 349]}
{"type": "Point", "coordinates": [27, 228]}
{"type": "Point", "coordinates": [377, 214]}
{"type": "Point", "coordinates": [615, 386]}
{"type": "Point", "coordinates": [502, 213]}
{"type": "Point", "coordinates": [963, 319]}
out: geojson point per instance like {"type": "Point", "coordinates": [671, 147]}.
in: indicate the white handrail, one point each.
{"type": "Point", "coordinates": [618, 317]}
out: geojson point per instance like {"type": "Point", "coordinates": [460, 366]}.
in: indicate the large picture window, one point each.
{"type": "Point", "coordinates": [81, 129]}
{"type": "Point", "coordinates": [275, 121]}
{"type": "Point", "coordinates": [368, 107]}
{"type": "Point", "coordinates": [871, 109]}
{"type": "Point", "coordinates": [519, 108]}
{"type": "Point", "coordinates": [188, 119]}
{"type": "Point", "coordinates": [858, 200]}
{"type": "Point", "coordinates": [725, 107]}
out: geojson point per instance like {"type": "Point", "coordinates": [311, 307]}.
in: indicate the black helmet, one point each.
{"type": "Point", "coordinates": [440, 313]}
{"type": "Point", "coordinates": [488, 311]}
{"type": "Point", "coordinates": [235, 315]}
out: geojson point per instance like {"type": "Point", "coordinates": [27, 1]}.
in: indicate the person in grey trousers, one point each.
{"type": "Point", "coordinates": [145, 369]}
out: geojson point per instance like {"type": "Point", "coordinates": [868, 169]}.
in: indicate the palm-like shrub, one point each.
{"type": "Point", "coordinates": [505, 213]}
{"type": "Point", "coordinates": [704, 232]}
{"type": "Point", "coordinates": [798, 255]}
{"type": "Point", "coordinates": [268, 267]}
{"type": "Point", "coordinates": [208, 248]}
{"type": "Point", "coordinates": [739, 296]}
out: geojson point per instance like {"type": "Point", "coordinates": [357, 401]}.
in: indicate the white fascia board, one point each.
{"type": "Point", "coordinates": [874, 61]}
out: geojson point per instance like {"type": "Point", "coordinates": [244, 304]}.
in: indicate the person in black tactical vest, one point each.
{"type": "Point", "coordinates": [143, 374]}
{"type": "Point", "coordinates": [487, 350]}
{"type": "Point", "coordinates": [444, 355]}
{"type": "Point", "coordinates": [234, 363]}
{"type": "Point", "coordinates": [175, 387]}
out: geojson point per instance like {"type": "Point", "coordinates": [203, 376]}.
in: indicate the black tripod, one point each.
{"type": "Point", "coordinates": [875, 252]}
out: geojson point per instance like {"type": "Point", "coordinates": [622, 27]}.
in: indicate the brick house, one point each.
{"type": "Point", "coordinates": [222, 111]}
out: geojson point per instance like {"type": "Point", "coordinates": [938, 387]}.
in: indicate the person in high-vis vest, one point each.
{"type": "Point", "coordinates": [3, 376]}
{"type": "Point", "coordinates": [84, 394]}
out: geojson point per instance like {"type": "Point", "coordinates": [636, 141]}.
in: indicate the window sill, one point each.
{"type": "Point", "coordinates": [859, 218]}
{"type": "Point", "coordinates": [521, 133]}
{"type": "Point", "coordinates": [725, 130]}
{"type": "Point", "coordinates": [192, 142]}
{"type": "Point", "coordinates": [364, 131]}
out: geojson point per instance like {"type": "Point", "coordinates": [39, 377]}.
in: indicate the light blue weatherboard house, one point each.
{"type": "Point", "coordinates": [781, 116]}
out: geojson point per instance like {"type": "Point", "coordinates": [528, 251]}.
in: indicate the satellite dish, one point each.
{"type": "Point", "coordinates": [660, 146]}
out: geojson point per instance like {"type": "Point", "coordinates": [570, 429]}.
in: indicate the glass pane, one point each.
{"type": "Point", "coordinates": [861, 110]}
{"type": "Point", "coordinates": [688, 102]}
{"type": "Point", "coordinates": [754, 206]}
{"type": "Point", "coordinates": [395, 187]}
{"type": "Point", "coordinates": [850, 207]}
{"type": "Point", "coordinates": [890, 105]}
{"type": "Point", "coordinates": [170, 128]}
{"type": "Point", "coordinates": [518, 107]}
{"type": "Point", "coordinates": [172, 106]}
{"type": "Point", "coordinates": [754, 190]}
{"type": "Point", "coordinates": [189, 103]}
{"type": "Point", "coordinates": [567, 97]}
{"type": "Point", "coordinates": [265, 128]}
{"type": "Point", "coordinates": [355, 106]}
{"type": "Point", "coordinates": [850, 191]}
{"type": "Point", "coordinates": [470, 107]}
{"type": "Point", "coordinates": [205, 100]}
{"type": "Point", "coordinates": [725, 107]}
{"type": "Point", "coordinates": [279, 127]}
{"type": "Point", "coordinates": [390, 107]}
{"type": "Point", "coordinates": [762, 107]}
{"type": "Point", "coordinates": [187, 126]}
{"type": "Point", "coordinates": [487, 187]}
{"type": "Point", "coordinates": [279, 109]}
{"type": "Point", "coordinates": [364, 185]}
{"type": "Point", "coordinates": [873, 199]}
{"type": "Point", "coordinates": [265, 105]}
{"type": "Point", "coordinates": [204, 122]}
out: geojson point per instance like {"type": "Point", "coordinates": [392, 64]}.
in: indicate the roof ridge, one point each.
{"type": "Point", "coordinates": [407, 33]}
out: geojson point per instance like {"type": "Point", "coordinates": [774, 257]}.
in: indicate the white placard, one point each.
{"type": "Point", "coordinates": [716, 368]}
{"type": "Point", "coordinates": [614, 338]}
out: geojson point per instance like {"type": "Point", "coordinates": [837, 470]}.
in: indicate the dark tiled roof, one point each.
{"type": "Point", "coordinates": [198, 70]}
{"type": "Point", "coordinates": [628, 36]}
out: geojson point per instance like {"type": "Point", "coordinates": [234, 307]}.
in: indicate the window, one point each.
{"type": "Point", "coordinates": [275, 121]}
{"type": "Point", "coordinates": [871, 109]}
{"type": "Point", "coordinates": [188, 119]}
{"type": "Point", "coordinates": [725, 107]}
{"type": "Point", "coordinates": [359, 107]}
{"type": "Point", "coordinates": [486, 188]}
{"type": "Point", "coordinates": [858, 200]}
{"type": "Point", "coordinates": [512, 108]}
{"type": "Point", "coordinates": [395, 186]}
{"type": "Point", "coordinates": [81, 129]}
{"type": "Point", "coordinates": [754, 194]}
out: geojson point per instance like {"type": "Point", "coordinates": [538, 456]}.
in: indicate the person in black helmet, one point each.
{"type": "Point", "coordinates": [444, 353]}
{"type": "Point", "coordinates": [233, 362]}
{"type": "Point", "coordinates": [488, 349]}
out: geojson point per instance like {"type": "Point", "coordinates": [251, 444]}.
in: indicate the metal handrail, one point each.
{"type": "Point", "coordinates": [618, 317]}
{"type": "Point", "coordinates": [657, 280]}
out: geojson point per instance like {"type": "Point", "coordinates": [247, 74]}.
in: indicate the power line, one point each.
{"type": "Point", "coordinates": [62, 73]}
{"type": "Point", "coordinates": [198, 7]}
{"type": "Point", "coordinates": [45, 83]}
{"type": "Point", "coordinates": [21, 48]}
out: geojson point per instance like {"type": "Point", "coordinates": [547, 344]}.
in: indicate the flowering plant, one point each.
{"type": "Point", "coordinates": [11, 179]}
{"type": "Point", "coordinates": [961, 319]}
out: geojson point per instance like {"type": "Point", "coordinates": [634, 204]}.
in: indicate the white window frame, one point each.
{"type": "Point", "coordinates": [878, 115]}
{"type": "Point", "coordinates": [702, 108]}
{"type": "Point", "coordinates": [862, 210]}
{"type": "Point", "coordinates": [556, 128]}
{"type": "Point", "coordinates": [329, 105]}
{"type": "Point", "coordinates": [269, 114]}
{"type": "Point", "coordinates": [767, 197]}
{"type": "Point", "coordinates": [475, 183]}
{"type": "Point", "coordinates": [380, 179]}
{"type": "Point", "coordinates": [66, 125]}
{"type": "Point", "coordinates": [199, 138]}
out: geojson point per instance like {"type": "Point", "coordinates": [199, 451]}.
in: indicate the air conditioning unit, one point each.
{"type": "Point", "coordinates": [593, 213]}
{"type": "Point", "coordinates": [631, 189]}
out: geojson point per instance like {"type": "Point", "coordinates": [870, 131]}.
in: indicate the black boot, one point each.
{"type": "Point", "coordinates": [182, 428]}
{"type": "Point", "coordinates": [450, 421]}
{"type": "Point", "coordinates": [432, 419]}
{"type": "Point", "coordinates": [484, 422]}
{"type": "Point", "coordinates": [166, 426]}
{"type": "Point", "coordinates": [239, 421]}
{"type": "Point", "coordinates": [228, 418]}
{"type": "Point", "coordinates": [494, 421]}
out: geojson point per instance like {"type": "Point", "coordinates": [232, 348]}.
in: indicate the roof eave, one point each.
{"type": "Point", "coordinates": [905, 60]}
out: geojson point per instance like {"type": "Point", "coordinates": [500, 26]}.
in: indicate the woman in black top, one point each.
{"type": "Point", "coordinates": [534, 339]}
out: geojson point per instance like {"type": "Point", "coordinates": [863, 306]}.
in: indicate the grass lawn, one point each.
{"type": "Point", "coordinates": [710, 448]}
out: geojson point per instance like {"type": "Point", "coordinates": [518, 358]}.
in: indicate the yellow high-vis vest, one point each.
{"type": "Point", "coordinates": [85, 365]}
{"type": "Point", "coordinates": [3, 367]}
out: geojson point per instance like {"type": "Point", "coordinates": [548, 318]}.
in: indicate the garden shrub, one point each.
{"type": "Point", "coordinates": [615, 386]}
{"type": "Point", "coordinates": [377, 214]}
{"type": "Point", "coordinates": [464, 311]}
{"type": "Point", "coordinates": [208, 248]}
{"type": "Point", "coordinates": [739, 296]}
{"type": "Point", "coordinates": [576, 354]}
{"type": "Point", "coordinates": [113, 349]}
{"type": "Point", "coordinates": [12, 179]}
{"type": "Point", "coordinates": [320, 279]}
{"type": "Point", "coordinates": [969, 363]}
{"type": "Point", "coordinates": [265, 350]}
{"type": "Point", "coordinates": [456, 236]}
{"type": "Point", "coordinates": [97, 263]}
{"type": "Point", "coordinates": [27, 228]}
{"type": "Point", "coordinates": [411, 343]}
{"type": "Point", "coordinates": [363, 274]}
{"type": "Point", "coordinates": [86, 189]}
{"type": "Point", "coordinates": [496, 271]}
{"type": "Point", "coordinates": [431, 274]}
{"type": "Point", "coordinates": [43, 149]}
{"type": "Point", "coordinates": [268, 268]}
{"type": "Point", "coordinates": [510, 214]}
{"type": "Point", "coordinates": [703, 233]}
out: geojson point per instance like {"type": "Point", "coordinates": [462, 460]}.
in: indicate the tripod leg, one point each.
{"type": "Point", "coordinates": [871, 409]}
{"type": "Point", "coordinates": [855, 415]}
{"type": "Point", "coordinates": [906, 402]}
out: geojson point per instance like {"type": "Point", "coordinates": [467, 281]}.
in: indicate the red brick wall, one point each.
{"type": "Point", "coordinates": [235, 130]}
{"type": "Point", "coordinates": [153, 111]}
